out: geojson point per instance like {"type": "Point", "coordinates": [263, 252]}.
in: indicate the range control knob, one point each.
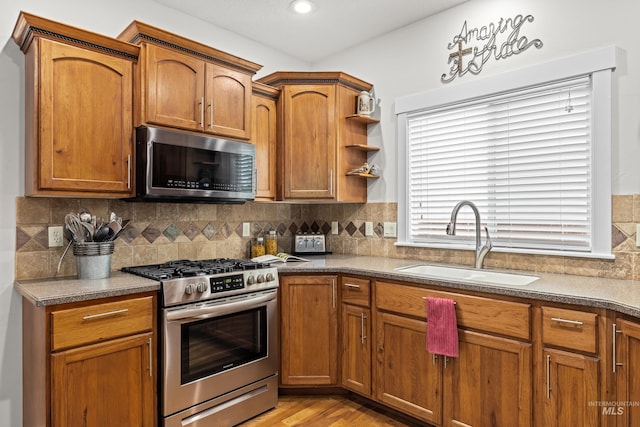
{"type": "Point", "coordinates": [202, 287]}
{"type": "Point", "coordinates": [189, 289]}
{"type": "Point", "coordinates": [260, 278]}
{"type": "Point", "coordinates": [270, 277]}
{"type": "Point", "coordinates": [251, 280]}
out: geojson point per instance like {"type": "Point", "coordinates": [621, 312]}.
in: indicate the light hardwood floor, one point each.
{"type": "Point", "coordinates": [323, 411]}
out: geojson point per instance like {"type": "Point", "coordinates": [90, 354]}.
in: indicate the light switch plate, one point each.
{"type": "Point", "coordinates": [246, 229]}
{"type": "Point", "coordinates": [390, 229]}
{"type": "Point", "coordinates": [368, 228]}
{"type": "Point", "coordinates": [638, 235]}
{"type": "Point", "coordinates": [334, 227]}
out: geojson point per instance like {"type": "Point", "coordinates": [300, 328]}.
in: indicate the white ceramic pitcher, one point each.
{"type": "Point", "coordinates": [366, 103]}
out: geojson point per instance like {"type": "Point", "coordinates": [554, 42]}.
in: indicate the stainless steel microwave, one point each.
{"type": "Point", "coordinates": [175, 166]}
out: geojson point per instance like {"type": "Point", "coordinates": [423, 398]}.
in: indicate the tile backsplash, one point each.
{"type": "Point", "coordinates": [160, 232]}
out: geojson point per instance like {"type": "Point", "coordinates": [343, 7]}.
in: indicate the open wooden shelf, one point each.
{"type": "Point", "coordinates": [363, 118]}
{"type": "Point", "coordinates": [363, 147]}
{"type": "Point", "coordinates": [364, 175]}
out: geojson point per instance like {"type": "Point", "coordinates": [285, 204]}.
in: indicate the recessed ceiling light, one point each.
{"type": "Point", "coordinates": [301, 6]}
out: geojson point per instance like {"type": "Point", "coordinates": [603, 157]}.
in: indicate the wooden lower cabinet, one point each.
{"type": "Point", "coordinates": [489, 384]}
{"type": "Point", "coordinates": [104, 384]}
{"type": "Point", "coordinates": [408, 378]}
{"type": "Point", "coordinates": [90, 363]}
{"type": "Point", "coordinates": [571, 383]}
{"type": "Point", "coordinates": [356, 348]}
{"type": "Point", "coordinates": [309, 330]}
{"type": "Point", "coordinates": [627, 375]}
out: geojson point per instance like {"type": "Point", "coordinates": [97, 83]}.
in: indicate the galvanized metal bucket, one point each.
{"type": "Point", "coordinates": [93, 259]}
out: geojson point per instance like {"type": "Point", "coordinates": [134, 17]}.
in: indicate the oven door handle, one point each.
{"type": "Point", "coordinates": [220, 310]}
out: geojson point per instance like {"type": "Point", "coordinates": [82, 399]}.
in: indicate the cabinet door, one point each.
{"type": "Point", "coordinates": [263, 135]}
{"type": "Point", "coordinates": [571, 383]}
{"type": "Point", "coordinates": [408, 378]}
{"type": "Point", "coordinates": [174, 89]}
{"type": "Point", "coordinates": [85, 122]}
{"type": "Point", "coordinates": [107, 384]}
{"type": "Point", "coordinates": [309, 330]}
{"type": "Point", "coordinates": [356, 348]}
{"type": "Point", "coordinates": [627, 374]}
{"type": "Point", "coordinates": [309, 142]}
{"type": "Point", "coordinates": [228, 102]}
{"type": "Point", "coordinates": [489, 384]}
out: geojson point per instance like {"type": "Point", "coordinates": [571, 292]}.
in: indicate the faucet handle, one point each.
{"type": "Point", "coordinates": [488, 245]}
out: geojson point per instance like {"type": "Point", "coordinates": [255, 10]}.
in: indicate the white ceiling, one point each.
{"type": "Point", "coordinates": [335, 25]}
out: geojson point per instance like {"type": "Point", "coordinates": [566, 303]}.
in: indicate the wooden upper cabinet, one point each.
{"type": "Point", "coordinates": [228, 102]}
{"type": "Point", "coordinates": [166, 102]}
{"type": "Point", "coordinates": [309, 153]}
{"type": "Point", "coordinates": [79, 96]}
{"type": "Point", "coordinates": [185, 84]}
{"type": "Point", "coordinates": [263, 135]}
{"type": "Point", "coordinates": [316, 139]}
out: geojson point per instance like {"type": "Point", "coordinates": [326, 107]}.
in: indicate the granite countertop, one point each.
{"type": "Point", "coordinates": [619, 295]}
{"type": "Point", "coordinates": [60, 290]}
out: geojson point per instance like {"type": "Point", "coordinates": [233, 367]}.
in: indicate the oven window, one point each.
{"type": "Point", "coordinates": [213, 345]}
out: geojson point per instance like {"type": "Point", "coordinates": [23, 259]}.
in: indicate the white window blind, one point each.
{"type": "Point", "coordinates": [524, 158]}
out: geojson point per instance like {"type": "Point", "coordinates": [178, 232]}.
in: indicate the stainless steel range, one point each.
{"type": "Point", "coordinates": [219, 340]}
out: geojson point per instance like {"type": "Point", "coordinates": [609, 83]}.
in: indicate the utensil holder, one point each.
{"type": "Point", "coordinates": [93, 259]}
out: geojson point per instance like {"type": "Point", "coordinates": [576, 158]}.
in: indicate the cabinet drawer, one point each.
{"type": "Point", "coordinates": [569, 328]}
{"type": "Point", "coordinates": [486, 314]}
{"type": "Point", "coordinates": [99, 322]}
{"type": "Point", "coordinates": [355, 291]}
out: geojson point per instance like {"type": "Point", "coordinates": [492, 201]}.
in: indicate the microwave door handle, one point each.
{"type": "Point", "coordinates": [219, 310]}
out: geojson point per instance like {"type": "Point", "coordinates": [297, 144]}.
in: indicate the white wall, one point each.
{"type": "Point", "coordinates": [412, 60]}
{"type": "Point", "coordinates": [104, 17]}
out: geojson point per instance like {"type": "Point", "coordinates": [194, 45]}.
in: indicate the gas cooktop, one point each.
{"type": "Point", "coordinates": [186, 281]}
{"type": "Point", "coordinates": [186, 268]}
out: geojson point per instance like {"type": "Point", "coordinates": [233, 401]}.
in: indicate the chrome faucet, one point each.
{"type": "Point", "coordinates": [481, 252]}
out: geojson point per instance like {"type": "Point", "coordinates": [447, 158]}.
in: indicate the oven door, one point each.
{"type": "Point", "coordinates": [215, 347]}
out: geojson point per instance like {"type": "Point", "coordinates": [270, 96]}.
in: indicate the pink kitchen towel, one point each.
{"type": "Point", "coordinates": [442, 327]}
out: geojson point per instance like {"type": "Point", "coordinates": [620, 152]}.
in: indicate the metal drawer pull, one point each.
{"type": "Point", "coordinates": [351, 285]}
{"type": "Point", "coordinates": [211, 114]}
{"type": "Point", "coordinates": [202, 112]}
{"type": "Point", "coordinates": [548, 376]}
{"type": "Point", "coordinates": [572, 322]}
{"type": "Point", "coordinates": [615, 362]}
{"type": "Point", "coordinates": [150, 358]}
{"type": "Point", "coordinates": [109, 313]}
{"type": "Point", "coordinates": [363, 337]}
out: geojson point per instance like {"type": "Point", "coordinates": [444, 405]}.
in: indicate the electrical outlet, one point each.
{"type": "Point", "coordinates": [638, 235]}
{"type": "Point", "coordinates": [368, 228]}
{"type": "Point", "coordinates": [246, 229]}
{"type": "Point", "coordinates": [334, 227]}
{"type": "Point", "coordinates": [55, 236]}
{"type": "Point", "coordinates": [390, 229]}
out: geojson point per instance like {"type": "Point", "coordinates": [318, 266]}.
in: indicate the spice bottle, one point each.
{"type": "Point", "coordinates": [257, 246]}
{"type": "Point", "coordinates": [271, 243]}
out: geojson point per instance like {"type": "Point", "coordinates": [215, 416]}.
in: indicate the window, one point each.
{"type": "Point", "coordinates": [531, 157]}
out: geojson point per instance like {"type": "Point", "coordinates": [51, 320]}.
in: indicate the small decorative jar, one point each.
{"type": "Point", "coordinates": [271, 243]}
{"type": "Point", "coordinates": [257, 247]}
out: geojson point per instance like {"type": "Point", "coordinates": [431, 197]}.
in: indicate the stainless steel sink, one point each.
{"type": "Point", "coordinates": [468, 275]}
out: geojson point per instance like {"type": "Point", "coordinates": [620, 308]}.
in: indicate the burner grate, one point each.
{"type": "Point", "coordinates": [188, 268]}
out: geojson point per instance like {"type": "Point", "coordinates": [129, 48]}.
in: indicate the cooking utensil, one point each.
{"type": "Point", "coordinates": [91, 230]}
{"type": "Point", "coordinates": [102, 233]}
{"type": "Point", "coordinates": [75, 227]}
{"type": "Point", "coordinates": [85, 215]}
{"type": "Point", "coordinates": [119, 232]}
